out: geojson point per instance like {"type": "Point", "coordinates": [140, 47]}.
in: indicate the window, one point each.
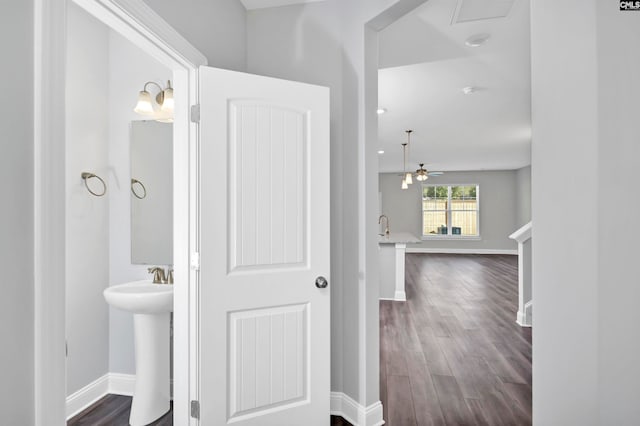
{"type": "Point", "coordinates": [450, 211]}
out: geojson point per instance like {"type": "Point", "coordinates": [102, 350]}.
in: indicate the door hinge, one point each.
{"type": "Point", "coordinates": [195, 261]}
{"type": "Point", "coordinates": [195, 113]}
{"type": "Point", "coordinates": [195, 409]}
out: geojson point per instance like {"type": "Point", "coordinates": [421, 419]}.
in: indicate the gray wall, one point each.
{"type": "Point", "coordinates": [215, 27]}
{"type": "Point", "coordinates": [523, 196]}
{"type": "Point", "coordinates": [87, 216]}
{"type": "Point", "coordinates": [585, 285]}
{"type": "Point", "coordinates": [498, 208]}
{"type": "Point", "coordinates": [16, 214]}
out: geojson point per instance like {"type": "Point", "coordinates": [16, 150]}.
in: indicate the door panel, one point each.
{"type": "Point", "coordinates": [264, 238]}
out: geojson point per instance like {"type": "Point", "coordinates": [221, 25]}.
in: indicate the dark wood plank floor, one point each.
{"type": "Point", "coordinates": [113, 410]}
{"type": "Point", "coordinates": [453, 353]}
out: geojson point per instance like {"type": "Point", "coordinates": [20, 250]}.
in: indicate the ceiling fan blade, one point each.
{"type": "Point", "coordinates": [435, 173]}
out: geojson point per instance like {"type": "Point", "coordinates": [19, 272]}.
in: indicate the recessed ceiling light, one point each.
{"type": "Point", "coordinates": [469, 90]}
{"type": "Point", "coordinates": [381, 110]}
{"type": "Point", "coordinates": [477, 40]}
{"type": "Point", "coordinates": [381, 152]}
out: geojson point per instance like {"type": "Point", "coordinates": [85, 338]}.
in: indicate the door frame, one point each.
{"type": "Point", "coordinates": [139, 24]}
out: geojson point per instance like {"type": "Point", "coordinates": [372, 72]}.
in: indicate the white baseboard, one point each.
{"type": "Point", "coordinates": [400, 296]}
{"type": "Point", "coordinates": [122, 384]}
{"type": "Point", "coordinates": [110, 383]}
{"type": "Point", "coordinates": [81, 399]}
{"type": "Point", "coordinates": [524, 318]}
{"type": "Point", "coordinates": [460, 251]}
{"type": "Point", "coordinates": [344, 406]}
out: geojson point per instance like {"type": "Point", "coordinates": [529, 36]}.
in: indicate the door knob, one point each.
{"type": "Point", "coordinates": [321, 282]}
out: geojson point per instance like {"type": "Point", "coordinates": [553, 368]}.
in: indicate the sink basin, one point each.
{"type": "Point", "coordinates": [141, 297]}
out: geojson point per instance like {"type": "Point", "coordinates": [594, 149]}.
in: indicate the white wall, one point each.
{"type": "Point", "coordinates": [585, 286]}
{"type": "Point", "coordinates": [87, 217]}
{"type": "Point", "coordinates": [565, 254]}
{"type": "Point", "coordinates": [523, 196]}
{"type": "Point", "coordinates": [498, 208]}
{"type": "Point", "coordinates": [215, 27]}
{"type": "Point", "coordinates": [16, 215]}
{"type": "Point", "coordinates": [618, 154]}
{"type": "Point", "coordinates": [129, 69]}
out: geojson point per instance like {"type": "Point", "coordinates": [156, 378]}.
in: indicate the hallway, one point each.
{"type": "Point", "coordinates": [453, 353]}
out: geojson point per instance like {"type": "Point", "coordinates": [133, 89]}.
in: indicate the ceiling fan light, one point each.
{"type": "Point", "coordinates": [408, 178]}
{"type": "Point", "coordinates": [422, 178]}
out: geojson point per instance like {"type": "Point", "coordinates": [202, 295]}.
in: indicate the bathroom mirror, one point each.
{"type": "Point", "coordinates": [151, 192]}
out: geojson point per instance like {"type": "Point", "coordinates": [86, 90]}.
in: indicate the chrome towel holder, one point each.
{"type": "Point", "coordinates": [86, 176]}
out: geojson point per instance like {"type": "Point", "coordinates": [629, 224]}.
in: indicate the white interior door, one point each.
{"type": "Point", "coordinates": [264, 325]}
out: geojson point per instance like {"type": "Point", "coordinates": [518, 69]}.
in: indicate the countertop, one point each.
{"type": "Point", "coordinates": [398, 237]}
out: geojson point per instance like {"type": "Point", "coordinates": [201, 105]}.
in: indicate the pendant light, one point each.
{"type": "Point", "coordinates": [408, 176]}
{"type": "Point", "coordinates": [404, 167]}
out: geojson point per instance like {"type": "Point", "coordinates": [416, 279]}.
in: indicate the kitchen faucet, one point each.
{"type": "Point", "coordinates": [386, 229]}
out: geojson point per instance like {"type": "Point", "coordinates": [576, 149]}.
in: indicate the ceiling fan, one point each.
{"type": "Point", "coordinates": [422, 174]}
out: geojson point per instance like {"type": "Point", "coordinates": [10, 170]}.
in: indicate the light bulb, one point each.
{"type": "Point", "coordinates": [167, 102]}
{"type": "Point", "coordinates": [144, 105]}
{"type": "Point", "coordinates": [408, 178]}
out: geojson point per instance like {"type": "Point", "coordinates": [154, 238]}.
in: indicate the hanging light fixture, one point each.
{"type": "Point", "coordinates": [404, 167]}
{"type": "Point", "coordinates": [421, 173]}
{"type": "Point", "coordinates": [408, 176]}
{"type": "Point", "coordinates": [162, 109]}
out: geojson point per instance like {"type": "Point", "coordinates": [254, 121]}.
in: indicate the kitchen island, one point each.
{"type": "Point", "coordinates": [392, 250]}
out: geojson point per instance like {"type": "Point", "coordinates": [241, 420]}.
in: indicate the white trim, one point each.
{"type": "Point", "coordinates": [393, 299]}
{"type": "Point", "coordinates": [49, 212]}
{"type": "Point", "coordinates": [522, 234]}
{"type": "Point", "coordinates": [344, 406]}
{"type": "Point", "coordinates": [460, 251]}
{"type": "Point", "coordinates": [524, 318]}
{"type": "Point", "coordinates": [122, 384]}
{"type": "Point", "coordinates": [400, 296]}
{"type": "Point", "coordinates": [138, 23]}
{"type": "Point", "coordinates": [83, 398]}
{"type": "Point", "coordinates": [436, 237]}
{"type": "Point", "coordinates": [110, 383]}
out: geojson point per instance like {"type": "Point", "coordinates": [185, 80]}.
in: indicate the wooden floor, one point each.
{"type": "Point", "coordinates": [113, 410]}
{"type": "Point", "coordinates": [453, 354]}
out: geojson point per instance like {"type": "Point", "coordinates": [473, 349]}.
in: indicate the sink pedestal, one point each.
{"type": "Point", "coordinates": [151, 305]}
{"type": "Point", "coordinates": [152, 391]}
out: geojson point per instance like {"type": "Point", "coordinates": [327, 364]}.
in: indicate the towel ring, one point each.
{"type": "Point", "coordinates": [133, 189]}
{"type": "Point", "coordinates": [86, 175]}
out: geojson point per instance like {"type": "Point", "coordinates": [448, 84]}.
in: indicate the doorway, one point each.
{"type": "Point", "coordinates": [140, 26]}
{"type": "Point", "coordinates": [446, 73]}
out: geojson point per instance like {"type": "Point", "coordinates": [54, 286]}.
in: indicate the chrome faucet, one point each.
{"type": "Point", "coordinates": [158, 275]}
{"type": "Point", "coordinates": [386, 229]}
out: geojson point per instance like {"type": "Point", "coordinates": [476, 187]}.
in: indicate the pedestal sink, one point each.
{"type": "Point", "coordinates": [151, 305]}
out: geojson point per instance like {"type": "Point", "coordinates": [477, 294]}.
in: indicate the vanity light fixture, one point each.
{"type": "Point", "coordinates": [163, 109]}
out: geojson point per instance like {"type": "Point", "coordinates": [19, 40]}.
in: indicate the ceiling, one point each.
{"type": "Point", "coordinates": [425, 64]}
{"type": "Point", "coordinates": [262, 4]}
